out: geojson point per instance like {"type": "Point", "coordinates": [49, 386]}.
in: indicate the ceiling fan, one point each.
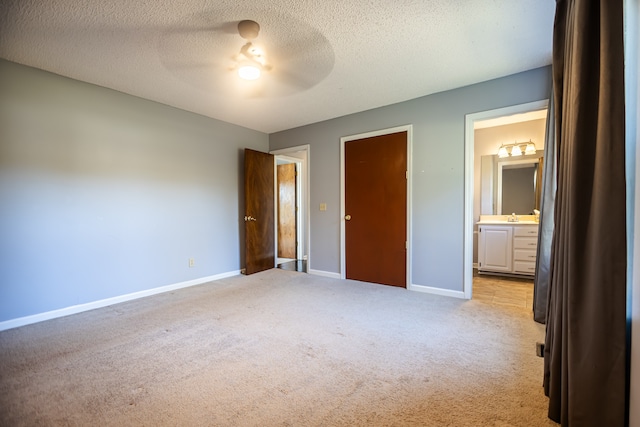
{"type": "Point", "coordinates": [204, 51]}
{"type": "Point", "coordinates": [251, 61]}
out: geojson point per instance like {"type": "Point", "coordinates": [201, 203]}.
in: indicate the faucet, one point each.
{"type": "Point", "coordinates": [513, 218]}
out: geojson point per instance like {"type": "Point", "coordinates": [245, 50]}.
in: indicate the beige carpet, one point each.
{"type": "Point", "coordinates": [278, 348]}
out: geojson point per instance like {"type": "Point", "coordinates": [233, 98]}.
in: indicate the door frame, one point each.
{"type": "Point", "coordinates": [469, 144]}
{"type": "Point", "coordinates": [345, 139]}
{"type": "Point", "coordinates": [303, 182]}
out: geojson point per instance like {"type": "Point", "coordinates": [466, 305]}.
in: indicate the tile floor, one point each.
{"type": "Point", "coordinates": [498, 290]}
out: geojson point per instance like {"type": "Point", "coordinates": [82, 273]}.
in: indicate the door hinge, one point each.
{"type": "Point", "coordinates": [406, 174]}
{"type": "Point", "coordinates": [406, 244]}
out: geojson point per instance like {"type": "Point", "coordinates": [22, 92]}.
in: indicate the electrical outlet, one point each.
{"type": "Point", "coordinates": [192, 262]}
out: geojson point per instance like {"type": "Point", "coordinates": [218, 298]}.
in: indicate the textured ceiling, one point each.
{"type": "Point", "coordinates": [328, 58]}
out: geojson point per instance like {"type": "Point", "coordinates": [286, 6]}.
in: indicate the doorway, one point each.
{"type": "Point", "coordinates": [513, 113]}
{"type": "Point", "coordinates": [292, 212]}
{"type": "Point", "coordinates": [375, 206]}
{"type": "Point", "coordinates": [287, 208]}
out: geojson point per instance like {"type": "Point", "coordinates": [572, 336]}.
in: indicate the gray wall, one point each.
{"type": "Point", "coordinates": [103, 194]}
{"type": "Point", "coordinates": [438, 170]}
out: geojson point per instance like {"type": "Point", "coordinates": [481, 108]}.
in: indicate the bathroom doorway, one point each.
{"type": "Point", "coordinates": [500, 126]}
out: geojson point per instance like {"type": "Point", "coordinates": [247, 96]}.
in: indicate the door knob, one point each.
{"type": "Point", "coordinates": [249, 218]}
{"type": "Point", "coordinates": [347, 217]}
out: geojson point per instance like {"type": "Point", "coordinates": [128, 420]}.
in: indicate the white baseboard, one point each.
{"type": "Point", "coordinates": [325, 274]}
{"type": "Point", "coordinates": [437, 291]}
{"type": "Point", "coordinates": [74, 309]}
{"type": "Point", "coordinates": [415, 288]}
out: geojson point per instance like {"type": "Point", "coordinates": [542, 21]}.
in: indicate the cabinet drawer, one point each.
{"type": "Point", "coordinates": [524, 231]}
{"type": "Point", "coordinates": [524, 267]}
{"type": "Point", "coordinates": [525, 242]}
{"type": "Point", "coordinates": [524, 255]}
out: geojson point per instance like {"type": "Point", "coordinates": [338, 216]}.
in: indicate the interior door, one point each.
{"type": "Point", "coordinates": [376, 209]}
{"type": "Point", "coordinates": [287, 224]}
{"type": "Point", "coordinates": [259, 211]}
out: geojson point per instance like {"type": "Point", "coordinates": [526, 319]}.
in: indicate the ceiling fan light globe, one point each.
{"type": "Point", "coordinates": [249, 72]}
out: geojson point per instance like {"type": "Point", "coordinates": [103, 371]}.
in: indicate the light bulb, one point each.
{"type": "Point", "coordinates": [502, 152]}
{"type": "Point", "coordinates": [249, 72]}
{"type": "Point", "coordinates": [516, 151]}
{"type": "Point", "coordinates": [531, 149]}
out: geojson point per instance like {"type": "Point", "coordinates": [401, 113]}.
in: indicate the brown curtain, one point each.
{"type": "Point", "coordinates": [546, 225]}
{"type": "Point", "coordinates": [585, 370]}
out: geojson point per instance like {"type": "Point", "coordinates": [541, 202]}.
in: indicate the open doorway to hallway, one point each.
{"type": "Point", "coordinates": [291, 201]}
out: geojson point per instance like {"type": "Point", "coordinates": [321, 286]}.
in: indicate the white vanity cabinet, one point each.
{"type": "Point", "coordinates": [507, 248]}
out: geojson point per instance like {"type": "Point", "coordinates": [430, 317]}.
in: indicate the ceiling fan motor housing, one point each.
{"type": "Point", "coordinates": [248, 29]}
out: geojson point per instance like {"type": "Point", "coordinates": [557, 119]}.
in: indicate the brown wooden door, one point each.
{"type": "Point", "coordinates": [376, 209]}
{"type": "Point", "coordinates": [259, 211]}
{"type": "Point", "coordinates": [287, 224]}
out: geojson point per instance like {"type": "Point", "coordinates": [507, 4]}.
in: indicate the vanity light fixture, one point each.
{"type": "Point", "coordinates": [517, 149]}
{"type": "Point", "coordinates": [531, 148]}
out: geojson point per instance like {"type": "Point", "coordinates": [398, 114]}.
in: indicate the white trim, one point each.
{"type": "Point", "coordinates": [305, 147]}
{"type": "Point", "coordinates": [437, 291]}
{"type": "Point", "coordinates": [325, 274]}
{"type": "Point", "coordinates": [275, 212]}
{"type": "Point", "coordinates": [307, 194]}
{"type": "Point", "coordinates": [343, 140]}
{"type": "Point", "coordinates": [75, 309]}
{"type": "Point", "coordinates": [469, 119]}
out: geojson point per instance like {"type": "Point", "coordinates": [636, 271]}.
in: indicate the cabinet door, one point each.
{"type": "Point", "coordinates": [495, 248]}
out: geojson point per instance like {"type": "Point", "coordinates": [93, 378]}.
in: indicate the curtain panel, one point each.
{"type": "Point", "coordinates": [545, 233]}
{"type": "Point", "coordinates": [585, 370]}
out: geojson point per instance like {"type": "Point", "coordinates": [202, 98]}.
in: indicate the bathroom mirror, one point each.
{"type": "Point", "coordinates": [511, 186]}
